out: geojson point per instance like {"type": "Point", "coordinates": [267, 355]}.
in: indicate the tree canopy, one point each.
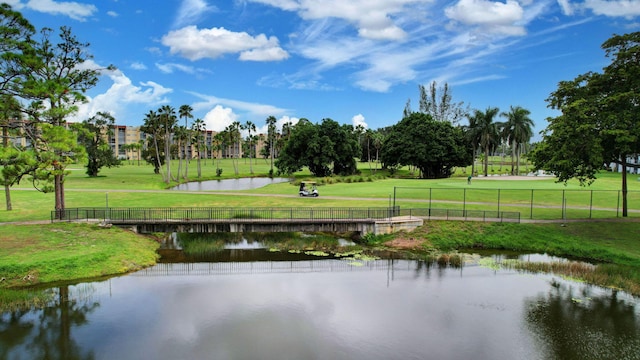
{"type": "Point", "coordinates": [434, 147]}
{"type": "Point", "coordinates": [600, 120]}
{"type": "Point", "coordinates": [326, 148]}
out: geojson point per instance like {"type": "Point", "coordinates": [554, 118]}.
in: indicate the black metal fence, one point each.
{"type": "Point", "coordinates": [117, 214]}
{"type": "Point", "coordinates": [197, 214]}
{"type": "Point", "coordinates": [542, 204]}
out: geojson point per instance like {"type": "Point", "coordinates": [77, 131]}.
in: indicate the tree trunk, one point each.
{"type": "Point", "coordinates": [7, 196]}
{"type": "Point", "coordinates": [486, 161]}
{"type": "Point", "coordinates": [624, 186]}
{"type": "Point", "coordinates": [513, 158]}
{"type": "Point", "coordinates": [59, 195]}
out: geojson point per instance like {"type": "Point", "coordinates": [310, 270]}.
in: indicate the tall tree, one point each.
{"type": "Point", "coordinates": [250, 126]}
{"type": "Point", "coordinates": [434, 147]}
{"type": "Point", "coordinates": [488, 132]}
{"type": "Point", "coordinates": [600, 120]}
{"type": "Point", "coordinates": [271, 138]}
{"type": "Point", "coordinates": [186, 112]}
{"type": "Point", "coordinates": [93, 134]}
{"type": "Point", "coordinates": [168, 119]}
{"type": "Point", "coordinates": [438, 102]}
{"type": "Point", "coordinates": [54, 79]}
{"type": "Point", "coordinates": [14, 160]}
{"type": "Point", "coordinates": [517, 130]}
{"type": "Point", "coordinates": [155, 141]}
{"type": "Point", "coordinates": [198, 128]}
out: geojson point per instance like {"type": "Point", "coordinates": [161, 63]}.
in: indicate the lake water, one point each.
{"type": "Point", "coordinates": [229, 184]}
{"type": "Point", "coordinates": [252, 303]}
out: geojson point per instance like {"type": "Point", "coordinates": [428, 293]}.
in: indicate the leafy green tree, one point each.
{"type": "Point", "coordinates": [599, 124]}
{"type": "Point", "coordinates": [434, 147]}
{"type": "Point", "coordinates": [53, 81]}
{"type": "Point", "coordinates": [92, 134]}
{"type": "Point", "coordinates": [517, 130]}
{"type": "Point", "coordinates": [343, 140]}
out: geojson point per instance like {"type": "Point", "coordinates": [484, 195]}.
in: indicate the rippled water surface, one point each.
{"type": "Point", "coordinates": [256, 304]}
{"type": "Point", "coordinates": [229, 184]}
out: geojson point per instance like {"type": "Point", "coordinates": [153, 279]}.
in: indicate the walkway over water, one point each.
{"type": "Point", "coordinates": [210, 220]}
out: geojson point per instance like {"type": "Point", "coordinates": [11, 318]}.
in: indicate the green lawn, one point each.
{"type": "Point", "coordinates": [131, 185]}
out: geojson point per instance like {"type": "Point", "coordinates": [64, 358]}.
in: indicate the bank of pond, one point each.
{"type": "Point", "coordinates": [310, 296]}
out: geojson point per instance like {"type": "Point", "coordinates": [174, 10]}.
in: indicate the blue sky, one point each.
{"type": "Point", "coordinates": [356, 61]}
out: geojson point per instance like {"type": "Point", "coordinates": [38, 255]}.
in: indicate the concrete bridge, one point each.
{"type": "Point", "coordinates": [211, 220]}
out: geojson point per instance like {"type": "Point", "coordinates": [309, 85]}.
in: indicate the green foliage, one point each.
{"type": "Point", "coordinates": [434, 147]}
{"type": "Point", "coordinates": [318, 147]}
{"type": "Point", "coordinates": [92, 134]}
{"type": "Point", "coordinates": [600, 116]}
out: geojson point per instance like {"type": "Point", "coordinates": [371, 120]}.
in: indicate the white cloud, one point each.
{"type": "Point", "coordinates": [170, 68]}
{"type": "Point", "coordinates": [621, 8]}
{"type": "Point", "coordinates": [191, 11]}
{"type": "Point", "coordinates": [74, 10]}
{"type": "Point", "coordinates": [566, 7]}
{"type": "Point", "coordinates": [120, 95]}
{"type": "Point", "coordinates": [138, 66]}
{"type": "Point", "coordinates": [255, 112]}
{"type": "Point", "coordinates": [194, 44]}
{"type": "Point", "coordinates": [112, 13]}
{"type": "Point", "coordinates": [359, 120]}
{"type": "Point", "coordinates": [491, 16]}
{"type": "Point", "coordinates": [374, 19]}
{"type": "Point", "coordinates": [218, 118]}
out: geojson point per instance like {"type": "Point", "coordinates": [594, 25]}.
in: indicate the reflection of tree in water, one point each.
{"type": "Point", "coordinates": [582, 324]}
{"type": "Point", "coordinates": [46, 334]}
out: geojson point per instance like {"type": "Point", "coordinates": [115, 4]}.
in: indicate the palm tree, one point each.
{"type": "Point", "coordinates": [168, 120]}
{"type": "Point", "coordinates": [153, 127]}
{"type": "Point", "coordinates": [250, 126]}
{"type": "Point", "coordinates": [184, 111]}
{"type": "Point", "coordinates": [198, 128]}
{"type": "Point", "coordinates": [181, 136]}
{"type": "Point", "coordinates": [271, 135]}
{"type": "Point", "coordinates": [486, 132]}
{"type": "Point", "coordinates": [518, 131]}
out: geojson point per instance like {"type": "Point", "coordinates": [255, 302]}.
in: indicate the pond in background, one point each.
{"type": "Point", "coordinates": [229, 184]}
{"type": "Point", "coordinates": [253, 303]}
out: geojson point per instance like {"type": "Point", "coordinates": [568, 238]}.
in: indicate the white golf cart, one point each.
{"type": "Point", "coordinates": [308, 188]}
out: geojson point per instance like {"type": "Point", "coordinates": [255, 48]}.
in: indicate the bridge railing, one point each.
{"type": "Point", "coordinates": [221, 213]}
{"type": "Point", "coordinates": [195, 214]}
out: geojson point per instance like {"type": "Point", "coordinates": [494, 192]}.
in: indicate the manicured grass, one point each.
{"type": "Point", "coordinates": [52, 252]}
{"type": "Point", "coordinates": [138, 186]}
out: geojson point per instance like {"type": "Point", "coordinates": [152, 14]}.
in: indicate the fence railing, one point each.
{"type": "Point", "coordinates": [200, 214]}
{"type": "Point", "coordinates": [530, 203]}
{"type": "Point", "coordinates": [118, 214]}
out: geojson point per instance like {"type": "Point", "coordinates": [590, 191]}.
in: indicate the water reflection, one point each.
{"type": "Point", "coordinates": [229, 184]}
{"type": "Point", "coordinates": [293, 308]}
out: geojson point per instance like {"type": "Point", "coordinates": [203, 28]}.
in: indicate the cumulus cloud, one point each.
{"type": "Point", "coordinates": [195, 44]}
{"type": "Point", "coordinates": [218, 118]}
{"type": "Point", "coordinates": [121, 94]}
{"type": "Point", "coordinates": [74, 10]}
{"type": "Point", "coordinates": [621, 8]}
{"type": "Point", "coordinates": [492, 16]}
{"type": "Point", "coordinates": [359, 120]}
